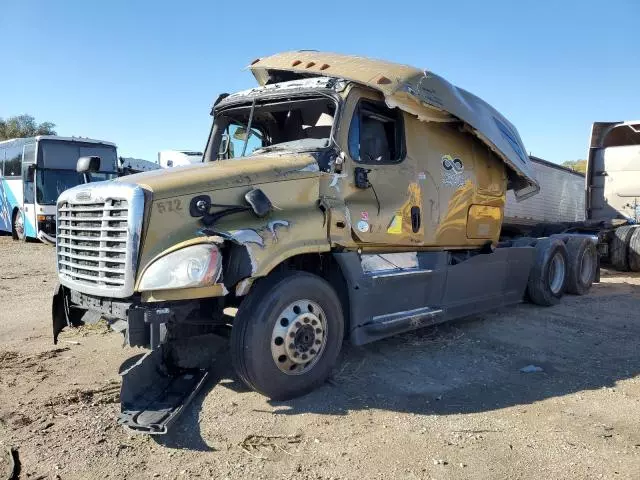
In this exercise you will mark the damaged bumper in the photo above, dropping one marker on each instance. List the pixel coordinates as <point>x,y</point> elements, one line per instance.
<point>157,388</point>
<point>142,324</point>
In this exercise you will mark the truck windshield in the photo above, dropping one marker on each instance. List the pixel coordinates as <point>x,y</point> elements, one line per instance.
<point>293,124</point>
<point>51,183</point>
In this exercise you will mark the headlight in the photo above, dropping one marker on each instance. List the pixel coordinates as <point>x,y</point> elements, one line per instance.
<point>195,266</point>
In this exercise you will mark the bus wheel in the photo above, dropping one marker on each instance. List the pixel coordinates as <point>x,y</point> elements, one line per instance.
<point>583,265</point>
<point>17,227</point>
<point>548,276</point>
<point>634,251</point>
<point>619,247</point>
<point>287,335</point>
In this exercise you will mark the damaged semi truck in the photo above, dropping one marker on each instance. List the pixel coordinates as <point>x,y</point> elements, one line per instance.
<point>342,198</point>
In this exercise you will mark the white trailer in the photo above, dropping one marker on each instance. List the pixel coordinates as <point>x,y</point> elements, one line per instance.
<point>177,158</point>
<point>561,199</point>
<point>128,165</point>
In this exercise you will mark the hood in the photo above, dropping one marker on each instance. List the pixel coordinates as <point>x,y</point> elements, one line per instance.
<point>221,174</point>
<point>418,92</point>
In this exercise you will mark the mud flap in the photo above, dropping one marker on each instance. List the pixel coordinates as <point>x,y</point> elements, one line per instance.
<point>152,397</point>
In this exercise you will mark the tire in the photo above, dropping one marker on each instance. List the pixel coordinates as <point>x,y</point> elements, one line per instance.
<point>17,232</point>
<point>634,251</point>
<point>583,265</point>
<point>619,255</point>
<point>547,282</point>
<point>272,313</point>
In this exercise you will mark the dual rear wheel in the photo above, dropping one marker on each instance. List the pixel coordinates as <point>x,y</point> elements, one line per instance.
<point>561,267</point>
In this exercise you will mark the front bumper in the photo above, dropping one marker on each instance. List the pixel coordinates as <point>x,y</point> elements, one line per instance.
<point>44,238</point>
<point>143,324</point>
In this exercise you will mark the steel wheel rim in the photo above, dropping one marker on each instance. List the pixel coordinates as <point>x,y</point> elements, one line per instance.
<point>586,267</point>
<point>557,270</point>
<point>299,337</point>
<point>19,226</point>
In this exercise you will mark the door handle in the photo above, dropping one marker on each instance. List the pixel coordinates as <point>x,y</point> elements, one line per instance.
<point>415,219</point>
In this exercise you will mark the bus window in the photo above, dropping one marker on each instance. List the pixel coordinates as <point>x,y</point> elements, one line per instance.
<point>13,161</point>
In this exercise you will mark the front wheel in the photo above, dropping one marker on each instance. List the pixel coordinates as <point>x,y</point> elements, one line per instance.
<point>17,227</point>
<point>287,335</point>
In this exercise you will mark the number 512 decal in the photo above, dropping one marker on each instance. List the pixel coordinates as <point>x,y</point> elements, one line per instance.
<point>174,205</point>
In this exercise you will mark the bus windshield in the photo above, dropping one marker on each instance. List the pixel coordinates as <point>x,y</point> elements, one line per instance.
<point>64,155</point>
<point>51,183</point>
<point>57,161</point>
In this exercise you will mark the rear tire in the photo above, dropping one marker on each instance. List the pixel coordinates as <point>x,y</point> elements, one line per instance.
<point>548,276</point>
<point>272,333</point>
<point>583,265</point>
<point>619,255</point>
<point>634,251</point>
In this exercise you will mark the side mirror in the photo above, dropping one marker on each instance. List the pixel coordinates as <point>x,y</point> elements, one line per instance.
<point>29,172</point>
<point>259,202</point>
<point>88,165</point>
<point>240,134</point>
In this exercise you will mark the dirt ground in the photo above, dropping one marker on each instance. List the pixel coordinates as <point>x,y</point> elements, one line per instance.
<point>443,403</point>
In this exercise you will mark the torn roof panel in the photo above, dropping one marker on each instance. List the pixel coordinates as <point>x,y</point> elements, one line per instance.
<point>416,91</point>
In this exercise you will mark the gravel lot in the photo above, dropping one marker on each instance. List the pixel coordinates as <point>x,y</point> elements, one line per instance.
<point>445,402</point>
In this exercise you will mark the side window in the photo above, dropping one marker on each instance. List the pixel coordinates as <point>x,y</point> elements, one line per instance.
<point>2,149</point>
<point>13,162</point>
<point>236,135</point>
<point>376,134</point>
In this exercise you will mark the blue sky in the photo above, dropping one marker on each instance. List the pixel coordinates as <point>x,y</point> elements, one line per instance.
<point>144,74</point>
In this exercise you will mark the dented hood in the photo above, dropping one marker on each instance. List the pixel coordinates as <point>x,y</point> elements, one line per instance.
<point>418,92</point>
<point>221,174</point>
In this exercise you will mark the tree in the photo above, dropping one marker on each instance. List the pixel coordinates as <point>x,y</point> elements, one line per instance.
<point>22,126</point>
<point>577,165</point>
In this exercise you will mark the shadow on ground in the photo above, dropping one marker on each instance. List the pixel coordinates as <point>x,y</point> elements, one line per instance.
<point>473,365</point>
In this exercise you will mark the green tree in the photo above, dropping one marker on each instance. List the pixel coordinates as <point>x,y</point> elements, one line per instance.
<point>577,165</point>
<point>22,126</point>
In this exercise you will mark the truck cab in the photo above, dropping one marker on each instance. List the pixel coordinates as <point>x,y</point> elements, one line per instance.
<point>341,198</point>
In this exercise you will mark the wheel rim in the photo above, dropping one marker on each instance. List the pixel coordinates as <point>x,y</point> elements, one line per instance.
<point>299,337</point>
<point>19,226</point>
<point>586,268</point>
<point>556,273</point>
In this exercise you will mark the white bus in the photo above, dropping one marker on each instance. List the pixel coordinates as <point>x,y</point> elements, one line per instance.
<point>34,171</point>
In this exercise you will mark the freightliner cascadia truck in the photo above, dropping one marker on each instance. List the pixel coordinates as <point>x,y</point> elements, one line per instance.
<point>343,198</point>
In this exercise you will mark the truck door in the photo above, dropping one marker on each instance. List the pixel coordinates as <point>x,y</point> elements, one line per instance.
<point>382,194</point>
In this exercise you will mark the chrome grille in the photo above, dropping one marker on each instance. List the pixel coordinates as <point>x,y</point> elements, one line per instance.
<point>98,231</point>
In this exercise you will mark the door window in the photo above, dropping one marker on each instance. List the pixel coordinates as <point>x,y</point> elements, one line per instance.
<point>376,134</point>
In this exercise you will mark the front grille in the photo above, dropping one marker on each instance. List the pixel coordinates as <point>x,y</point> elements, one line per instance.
<point>97,238</point>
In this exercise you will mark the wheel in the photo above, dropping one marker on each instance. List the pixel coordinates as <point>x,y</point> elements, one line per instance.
<point>619,247</point>
<point>287,335</point>
<point>17,227</point>
<point>583,265</point>
<point>548,276</point>
<point>634,251</point>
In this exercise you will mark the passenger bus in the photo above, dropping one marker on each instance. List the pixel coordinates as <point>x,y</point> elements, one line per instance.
<point>34,171</point>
